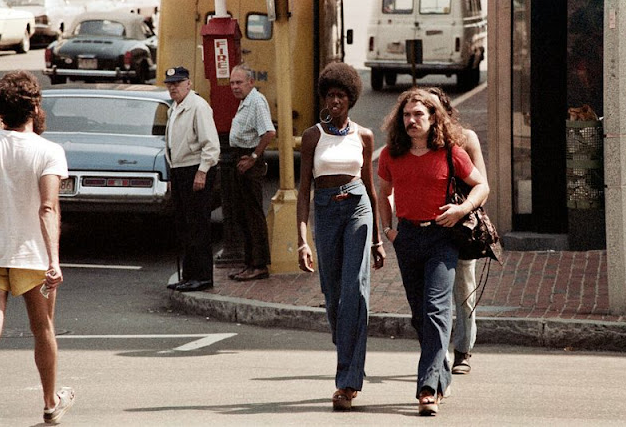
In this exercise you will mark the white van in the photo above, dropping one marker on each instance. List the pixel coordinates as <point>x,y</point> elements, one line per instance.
<point>445,37</point>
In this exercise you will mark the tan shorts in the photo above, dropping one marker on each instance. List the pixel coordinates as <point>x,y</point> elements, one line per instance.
<point>19,280</point>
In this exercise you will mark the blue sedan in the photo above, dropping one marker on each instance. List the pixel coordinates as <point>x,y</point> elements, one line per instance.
<point>114,140</point>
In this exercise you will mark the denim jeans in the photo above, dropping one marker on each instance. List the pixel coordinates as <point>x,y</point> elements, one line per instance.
<point>464,335</point>
<point>343,237</point>
<point>427,258</point>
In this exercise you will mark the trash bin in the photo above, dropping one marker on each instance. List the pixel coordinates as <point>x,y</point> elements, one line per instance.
<point>585,185</point>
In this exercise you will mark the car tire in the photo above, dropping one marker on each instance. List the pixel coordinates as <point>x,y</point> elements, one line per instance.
<point>57,80</point>
<point>391,78</point>
<point>24,45</point>
<point>377,79</point>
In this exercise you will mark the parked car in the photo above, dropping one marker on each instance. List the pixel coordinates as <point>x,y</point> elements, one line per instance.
<point>114,140</point>
<point>104,46</point>
<point>52,17</point>
<point>16,28</point>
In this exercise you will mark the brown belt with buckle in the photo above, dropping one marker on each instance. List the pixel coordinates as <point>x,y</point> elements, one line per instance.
<point>341,196</point>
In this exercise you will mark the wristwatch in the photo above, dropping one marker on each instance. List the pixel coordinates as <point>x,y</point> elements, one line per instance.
<point>254,155</point>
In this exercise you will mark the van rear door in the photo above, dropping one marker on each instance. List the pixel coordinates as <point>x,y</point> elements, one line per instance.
<point>438,27</point>
<point>392,24</point>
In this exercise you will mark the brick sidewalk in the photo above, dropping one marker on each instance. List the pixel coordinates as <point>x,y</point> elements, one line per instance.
<point>545,284</point>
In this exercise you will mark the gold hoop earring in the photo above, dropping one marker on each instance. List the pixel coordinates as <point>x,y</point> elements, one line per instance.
<point>326,119</point>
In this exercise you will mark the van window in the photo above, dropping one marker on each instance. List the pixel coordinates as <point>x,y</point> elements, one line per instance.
<point>434,7</point>
<point>398,6</point>
<point>258,27</point>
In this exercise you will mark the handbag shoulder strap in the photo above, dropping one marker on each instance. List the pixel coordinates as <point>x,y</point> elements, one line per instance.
<point>451,179</point>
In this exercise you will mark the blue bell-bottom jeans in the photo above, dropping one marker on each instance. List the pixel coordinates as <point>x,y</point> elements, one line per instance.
<point>343,238</point>
<point>427,258</point>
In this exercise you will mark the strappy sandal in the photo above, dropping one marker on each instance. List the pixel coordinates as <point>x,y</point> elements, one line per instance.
<point>428,403</point>
<point>342,399</point>
<point>233,276</point>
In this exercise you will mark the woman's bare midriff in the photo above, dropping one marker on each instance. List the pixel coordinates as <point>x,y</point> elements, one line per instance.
<point>330,181</point>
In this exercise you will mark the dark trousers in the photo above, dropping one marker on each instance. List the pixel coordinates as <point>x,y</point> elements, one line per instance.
<point>193,222</point>
<point>427,257</point>
<point>250,215</point>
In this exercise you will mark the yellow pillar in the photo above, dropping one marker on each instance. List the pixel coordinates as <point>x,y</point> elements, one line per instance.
<point>281,219</point>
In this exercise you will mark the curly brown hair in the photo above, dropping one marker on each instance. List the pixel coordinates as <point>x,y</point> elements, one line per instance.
<point>343,76</point>
<point>20,97</point>
<point>443,132</point>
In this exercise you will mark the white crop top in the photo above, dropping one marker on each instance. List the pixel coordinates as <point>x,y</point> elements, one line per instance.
<point>338,155</point>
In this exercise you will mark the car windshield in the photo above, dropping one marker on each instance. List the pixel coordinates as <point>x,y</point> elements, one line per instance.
<point>26,2</point>
<point>123,116</point>
<point>100,27</point>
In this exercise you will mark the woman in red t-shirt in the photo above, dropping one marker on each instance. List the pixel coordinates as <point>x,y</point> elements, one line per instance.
<point>413,168</point>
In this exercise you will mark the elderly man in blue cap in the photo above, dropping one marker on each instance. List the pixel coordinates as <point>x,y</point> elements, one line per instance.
<point>192,152</point>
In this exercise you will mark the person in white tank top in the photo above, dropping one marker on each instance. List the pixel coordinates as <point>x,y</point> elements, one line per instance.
<point>336,155</point>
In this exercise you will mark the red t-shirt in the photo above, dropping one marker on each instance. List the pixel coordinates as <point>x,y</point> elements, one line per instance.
<point>419,182</point>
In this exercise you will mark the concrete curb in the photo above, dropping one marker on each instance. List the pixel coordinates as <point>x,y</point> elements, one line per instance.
<point>537,332</point>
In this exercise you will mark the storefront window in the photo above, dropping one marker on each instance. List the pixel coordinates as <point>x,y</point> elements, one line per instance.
<point>522,177</point>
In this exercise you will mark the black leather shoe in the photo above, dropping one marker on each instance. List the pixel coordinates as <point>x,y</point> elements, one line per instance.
<point>173,286</point>
<point>195,285</point>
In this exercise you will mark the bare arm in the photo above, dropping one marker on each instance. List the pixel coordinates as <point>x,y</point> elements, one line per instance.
<point>307,150</point>
<point>477,196</point>
<point>472,147</point>
<point>367,175</point>
<point>246,162</point>
<point>50,222</point>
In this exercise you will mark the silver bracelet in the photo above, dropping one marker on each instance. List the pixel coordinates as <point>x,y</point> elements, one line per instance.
<point>306,245</point>
<point>375,245</point>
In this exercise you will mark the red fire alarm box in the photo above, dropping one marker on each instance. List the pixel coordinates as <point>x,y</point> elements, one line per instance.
<point>222,51</point>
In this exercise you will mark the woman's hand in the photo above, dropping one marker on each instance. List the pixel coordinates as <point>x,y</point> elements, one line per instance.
<point>305,258</point>
<point>379,256</point>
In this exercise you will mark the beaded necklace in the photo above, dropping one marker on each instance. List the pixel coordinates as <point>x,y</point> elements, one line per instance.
<point>339,132</point>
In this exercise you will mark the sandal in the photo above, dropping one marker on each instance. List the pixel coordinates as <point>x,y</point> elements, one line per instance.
<point>428,403</point>
<point>342,399</point>
<point>232,276</point>
<point>252,274</point>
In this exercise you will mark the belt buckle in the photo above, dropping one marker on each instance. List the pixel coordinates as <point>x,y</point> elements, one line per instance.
<point>426,224</point>
<point>341,196</point>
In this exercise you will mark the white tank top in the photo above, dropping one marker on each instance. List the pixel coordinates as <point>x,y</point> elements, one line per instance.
<point>338,155</point>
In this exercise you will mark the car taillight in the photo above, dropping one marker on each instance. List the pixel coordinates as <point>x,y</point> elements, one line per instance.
<point>117,182</point>
<point>128,60</point>
<point>371,44</point>
<point>48,57</point>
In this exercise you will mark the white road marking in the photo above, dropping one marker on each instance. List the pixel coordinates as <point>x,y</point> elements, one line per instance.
<point>103,266</point>
<point>137,336</point>
<point>204,341</point>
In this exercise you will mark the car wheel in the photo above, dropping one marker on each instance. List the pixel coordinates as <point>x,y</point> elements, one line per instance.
<point>377,79</point>
<point>24,45</point>
<point>391,78</point>
<point>57,80</point>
